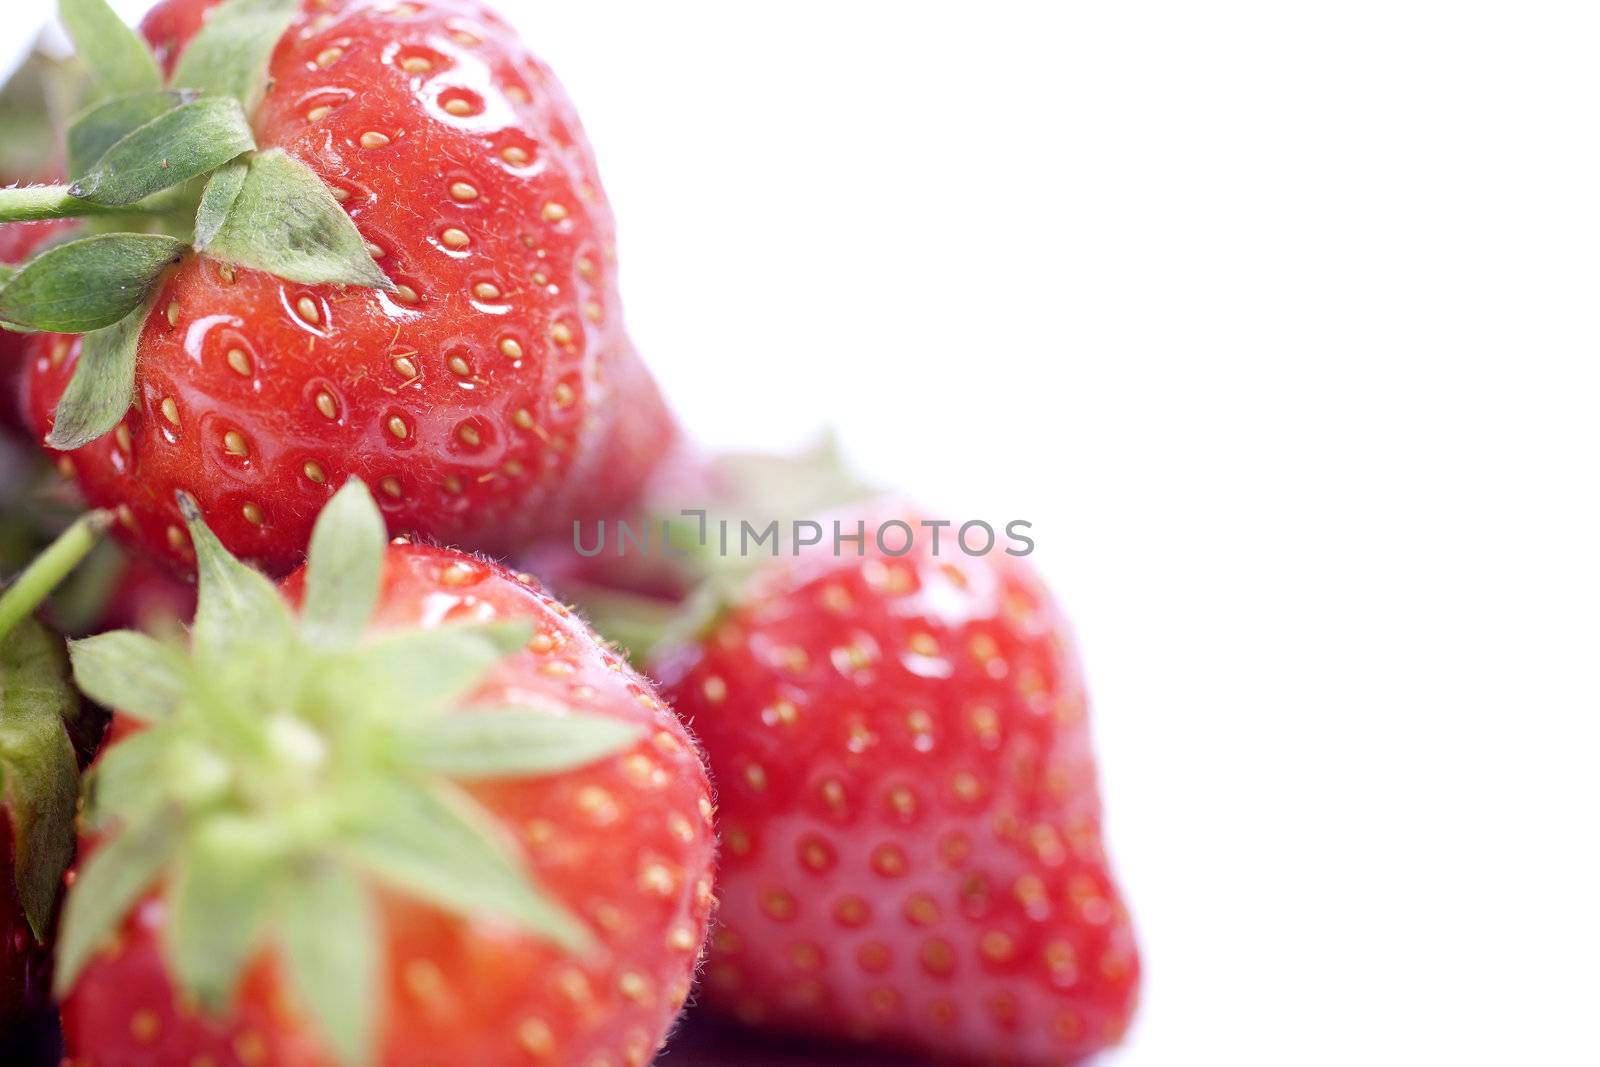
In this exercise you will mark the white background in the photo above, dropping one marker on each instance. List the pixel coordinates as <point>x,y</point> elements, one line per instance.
<point>1279,320</point>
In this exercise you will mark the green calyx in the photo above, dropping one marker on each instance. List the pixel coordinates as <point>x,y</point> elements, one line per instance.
<point>288,762</point>
<point>38,765</point>
<point>160,170</point>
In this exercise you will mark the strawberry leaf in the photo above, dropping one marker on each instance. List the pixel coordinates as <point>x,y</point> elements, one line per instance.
<point>38,768</point>
<point>239,611</point>
<point>128,783</point>
<point>332,949</point>
<point>87,284</point>
<point>229,56</point>
<point>417,672</point>
<point>102,383</point>
<point>435,844</point>
<point>217,910</point>
<point>285,222</point>
<point>506,742</point>
<point>187,141</point>
<point>127,670</point>
<point>116,58</point>
<point>343,568</point>
<point>107,887</point>
<point>103,126</point>
<point>222,189</point>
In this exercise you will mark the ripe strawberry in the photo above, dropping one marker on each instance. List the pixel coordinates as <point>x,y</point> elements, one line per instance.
<point>908,808</point>
<point>317,854</point>
<point>489,393</point>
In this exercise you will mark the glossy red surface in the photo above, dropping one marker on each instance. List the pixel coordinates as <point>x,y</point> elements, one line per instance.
<point>494,398</point>
<point>908,811</point>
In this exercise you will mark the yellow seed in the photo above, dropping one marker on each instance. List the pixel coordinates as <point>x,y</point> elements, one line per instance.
<point>307,308</point>
<point>169,410</point>
<point>486,291</point>
<point>563,394</point>
<point>681,938</point>
<point>313,471</point>
<point>553,212</point>
<point>561,333</point>
<point>460,367</point>
<point>518,94</point>
<point>515,156</point>
<point>465,192</point>
<point>317,114</point>
<point>175,537</point>
<point>416,65</point>
<point>374,139</point>
<point>462,37</point>
<point>511,348</point>
<point>328,56</point>
<point>67,468</point>
<point>397,426</point>
<point>470,436</point>
<point>239,360</point>
<point>226,272</point>
<point>405,367</point>
<point>452,484</point>
<point>715,689</point>
<point>144,1026</point>
<point>591,311</point>
<point>339,194</point>
<point>586,267</point>
<point>405,294</point>
<point>455,238</point>
<point>391,487</point>
<point>540,278</point>
<point>374,251</point>
<point>535,1037</point>
<point>632,986</point>
<point>252,514</point>
<point>523,418</point>
<point>172,313</point>
<point>325,404</point>
<point>235,443</point>
<point>457,106</point>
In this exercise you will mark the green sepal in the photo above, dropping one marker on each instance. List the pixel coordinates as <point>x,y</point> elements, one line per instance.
<point>343,568</point>
<point>229,56</point>
<point>221,190</point>
<point>217,908</point>
<point>139,676</point>
<point>333,953</point>
<point>87,284</point>
<point>38,767</point>
<point>108,885</point>
<point>182,143</point>
<point>285,221</point>
<point>435,844</point>
<point>129,781</point>
<point>413,673</point>
<point>114,55</point>
<point>238,609</point>
<point>101,389</point>
<point>101,127</point>
<point>513,742</point>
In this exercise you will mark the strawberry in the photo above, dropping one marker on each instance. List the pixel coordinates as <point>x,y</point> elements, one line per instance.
<point>441,320</point>
<point>910,822</point>
<point>402,810</point>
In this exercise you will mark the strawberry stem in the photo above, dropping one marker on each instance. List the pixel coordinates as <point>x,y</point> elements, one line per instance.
<point>35,203</point>
<point>41,577</point>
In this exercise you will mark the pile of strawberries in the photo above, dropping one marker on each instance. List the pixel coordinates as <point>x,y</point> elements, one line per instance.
<point>314,303</point>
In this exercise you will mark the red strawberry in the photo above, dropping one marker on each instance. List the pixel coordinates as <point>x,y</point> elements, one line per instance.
<point>490,394</point>
<point>318,854</point>
<point>908,808</point>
